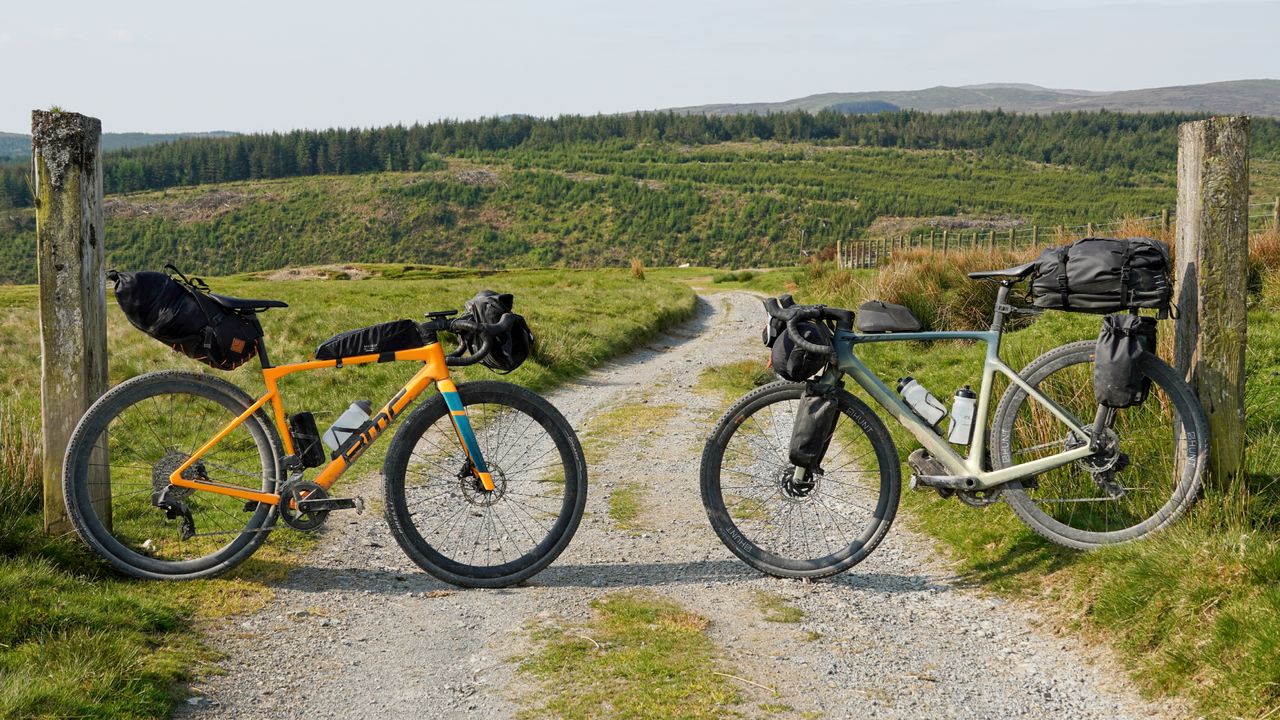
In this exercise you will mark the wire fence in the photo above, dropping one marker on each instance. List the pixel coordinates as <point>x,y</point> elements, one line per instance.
<point>872,253</point>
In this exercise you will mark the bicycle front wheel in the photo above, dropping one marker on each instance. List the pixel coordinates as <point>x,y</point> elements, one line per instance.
<point>446,521</point>
<point>821,525</point>
<point>1147,474</point>
<point>122,453</point>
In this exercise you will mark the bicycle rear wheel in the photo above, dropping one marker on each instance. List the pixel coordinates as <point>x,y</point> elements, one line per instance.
<point>453,528</point>
<point>119,459</point>
<point>821,526</point>
<point>1148,475</point>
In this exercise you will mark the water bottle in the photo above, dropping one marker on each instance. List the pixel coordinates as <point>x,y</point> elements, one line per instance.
<point>962,407</point>
<point>919,398</point>
<point>351,421</point>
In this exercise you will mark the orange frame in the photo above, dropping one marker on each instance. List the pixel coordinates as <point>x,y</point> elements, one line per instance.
<point>434,370</point>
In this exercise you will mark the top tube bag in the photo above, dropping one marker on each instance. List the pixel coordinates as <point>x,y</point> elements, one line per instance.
<point>179,312</point>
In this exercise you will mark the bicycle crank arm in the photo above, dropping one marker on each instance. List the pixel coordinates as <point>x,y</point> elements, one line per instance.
<point>946,482</point>
<point>327,504</point>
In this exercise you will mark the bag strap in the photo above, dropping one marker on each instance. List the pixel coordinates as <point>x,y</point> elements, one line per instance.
<point>1063,290</point>
<point>1126,269</point>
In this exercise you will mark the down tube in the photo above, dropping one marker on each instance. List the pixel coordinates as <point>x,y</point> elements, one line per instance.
<point>466,434</point>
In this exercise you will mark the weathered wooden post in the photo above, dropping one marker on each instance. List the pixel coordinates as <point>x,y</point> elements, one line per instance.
<point>839,256</point>
<point>1164,218</point>
<point>66,153</point>
<point>1210,279</point>
<point>1035,236</point>
<point>944,241</point>
<point>1275,215</point>
<point>1089,228</point>
<point>932,245</point>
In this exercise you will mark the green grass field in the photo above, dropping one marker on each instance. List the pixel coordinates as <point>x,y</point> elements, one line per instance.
<point>77,641</point>
<point>1193,611</point>
<point>727,205</point>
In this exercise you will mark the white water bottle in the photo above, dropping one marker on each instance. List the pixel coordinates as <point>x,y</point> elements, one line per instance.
<point>919,398</point>
<point>962,409</point>
<point>348,423</point>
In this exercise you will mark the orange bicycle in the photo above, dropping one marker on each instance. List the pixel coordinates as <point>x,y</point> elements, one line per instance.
<point>178,475</point>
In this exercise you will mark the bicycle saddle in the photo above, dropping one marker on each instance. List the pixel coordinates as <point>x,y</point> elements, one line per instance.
<point>1017,272</point>
<point>234,303</point>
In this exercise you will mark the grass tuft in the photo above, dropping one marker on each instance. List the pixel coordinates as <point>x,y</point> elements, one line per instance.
<point>626,503</point>
<point>776,608</point>
<point>640,656</point>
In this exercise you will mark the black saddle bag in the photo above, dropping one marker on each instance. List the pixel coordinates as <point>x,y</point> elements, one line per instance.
<point>814,426</point>
<point>1104,275</point>
<point>1118,381</point>
<point>386,337</point>
<point>178,312</point>
<point>509,350</point>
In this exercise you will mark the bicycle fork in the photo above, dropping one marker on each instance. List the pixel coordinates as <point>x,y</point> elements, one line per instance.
<point>466,434</point>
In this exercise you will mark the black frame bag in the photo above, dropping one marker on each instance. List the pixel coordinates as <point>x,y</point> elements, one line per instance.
<point>179,312</point>
<point>814,426</point>
<point>1104,275</point>
<point>386,337</point>
<point>509,350</point>
<point>1118,381</point>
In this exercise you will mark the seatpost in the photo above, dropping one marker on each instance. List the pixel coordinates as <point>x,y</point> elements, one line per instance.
<point>1002,307</point>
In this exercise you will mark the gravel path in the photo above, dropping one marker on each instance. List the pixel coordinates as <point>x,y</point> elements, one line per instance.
<point>360,632</point>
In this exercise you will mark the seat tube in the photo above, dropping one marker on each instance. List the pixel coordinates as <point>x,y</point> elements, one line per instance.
<point>466,434</point>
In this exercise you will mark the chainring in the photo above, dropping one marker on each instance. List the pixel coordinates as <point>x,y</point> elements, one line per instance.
<point>295,491</point>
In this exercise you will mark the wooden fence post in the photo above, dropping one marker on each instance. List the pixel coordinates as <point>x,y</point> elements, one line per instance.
<point>932,244</point>
<point>1275,215</point>
<point>839,256</point>
<point>66,152</point>
<point>1164,218</point>
<point>1210,279</point>
<point>944,241</point>
<point>1035,236</point>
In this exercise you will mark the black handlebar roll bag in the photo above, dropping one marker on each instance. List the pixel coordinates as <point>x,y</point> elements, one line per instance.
<point>814,425</point>
<point>1118,381</point>
<point>794,363</point>
<point>180,314</point>
<point>508,350</point>
<point>381,338</point>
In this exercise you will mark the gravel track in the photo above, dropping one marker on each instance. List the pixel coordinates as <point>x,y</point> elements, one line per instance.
<point>360,632</point>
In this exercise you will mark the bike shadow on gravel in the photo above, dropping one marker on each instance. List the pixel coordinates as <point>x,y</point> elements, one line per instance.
<point>623,575</point>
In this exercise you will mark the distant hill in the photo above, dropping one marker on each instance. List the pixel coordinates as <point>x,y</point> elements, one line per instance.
<point>16,146</point>
<point>1236,97</point>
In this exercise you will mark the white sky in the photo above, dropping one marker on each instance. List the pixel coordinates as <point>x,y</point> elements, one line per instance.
<point>249,66</point>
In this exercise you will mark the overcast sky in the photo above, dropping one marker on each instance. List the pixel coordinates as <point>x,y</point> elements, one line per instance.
<point>249,66</point>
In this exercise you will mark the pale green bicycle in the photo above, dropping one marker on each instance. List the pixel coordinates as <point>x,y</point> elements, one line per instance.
<point>1078,473</point>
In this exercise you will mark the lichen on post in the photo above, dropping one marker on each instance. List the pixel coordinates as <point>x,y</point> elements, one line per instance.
<point>66,152</point>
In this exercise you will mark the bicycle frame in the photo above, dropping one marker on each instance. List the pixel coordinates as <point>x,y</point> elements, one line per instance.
<point>434,370</point>
<point>938,447</point>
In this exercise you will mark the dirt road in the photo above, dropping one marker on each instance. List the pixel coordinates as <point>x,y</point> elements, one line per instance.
<point>360,632</point>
